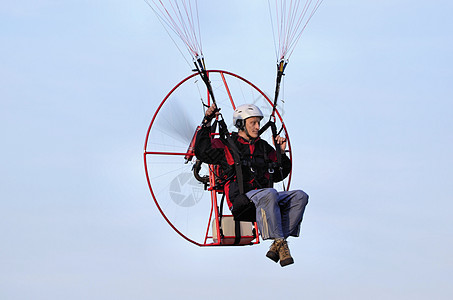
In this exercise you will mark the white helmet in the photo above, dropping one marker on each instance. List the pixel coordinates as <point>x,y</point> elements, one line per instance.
<point>243,112</point>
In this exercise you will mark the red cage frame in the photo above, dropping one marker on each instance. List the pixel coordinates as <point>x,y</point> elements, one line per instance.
<point>214,213</point>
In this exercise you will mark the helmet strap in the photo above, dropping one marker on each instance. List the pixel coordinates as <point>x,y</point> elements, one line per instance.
<point>251,139</point>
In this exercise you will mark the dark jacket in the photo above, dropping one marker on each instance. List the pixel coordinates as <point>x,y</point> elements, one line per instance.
<point>257,159</point>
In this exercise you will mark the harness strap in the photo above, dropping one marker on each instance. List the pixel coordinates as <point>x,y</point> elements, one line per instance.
<point>278,150</point>
<point>237,232</point>
<point>221,216</point>
<point>235,152</point>
<point>270,168</point>
<point>214,126</point>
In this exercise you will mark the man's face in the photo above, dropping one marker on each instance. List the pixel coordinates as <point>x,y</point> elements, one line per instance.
<point>252,125</point>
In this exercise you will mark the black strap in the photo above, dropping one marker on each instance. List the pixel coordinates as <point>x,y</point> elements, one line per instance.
<point>214,126</point>
<point>278,150</point>
<point>225,135</point>
<point>237,232</point>
<point>221,216</point>
<point>270,168</point>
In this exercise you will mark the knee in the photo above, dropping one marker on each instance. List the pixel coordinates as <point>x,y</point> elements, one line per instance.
<point>302,196</point>
<point>270,196</point>
<point>273,193</point>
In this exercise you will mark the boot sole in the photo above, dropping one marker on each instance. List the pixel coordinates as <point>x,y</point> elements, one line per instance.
<point>286,262</point>
<point>273,256</point>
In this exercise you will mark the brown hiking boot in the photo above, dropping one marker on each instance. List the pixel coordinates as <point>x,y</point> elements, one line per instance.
<point>285,256</point>
<point>273,250</point>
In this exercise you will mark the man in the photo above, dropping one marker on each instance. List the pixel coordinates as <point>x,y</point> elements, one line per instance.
<point>278,214</point>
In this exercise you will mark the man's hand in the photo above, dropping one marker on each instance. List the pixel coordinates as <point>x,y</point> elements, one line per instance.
<point>280,141</point>
<point>211,112</point>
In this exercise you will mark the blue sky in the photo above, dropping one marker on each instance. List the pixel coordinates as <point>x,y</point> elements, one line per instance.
<point>369,100</point>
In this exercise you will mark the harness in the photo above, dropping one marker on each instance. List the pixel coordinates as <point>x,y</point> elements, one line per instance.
<point>243,208</point>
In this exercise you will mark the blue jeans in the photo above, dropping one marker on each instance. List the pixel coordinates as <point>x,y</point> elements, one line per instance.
<point>278,214</point>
